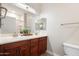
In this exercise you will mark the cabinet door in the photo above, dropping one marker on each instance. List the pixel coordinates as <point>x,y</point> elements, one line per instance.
<point>34,47</point>
<point>25,51</point>
<point>1,51</point>
<point>25,48</point>
<point>42,45</point>
<point>11,52</point>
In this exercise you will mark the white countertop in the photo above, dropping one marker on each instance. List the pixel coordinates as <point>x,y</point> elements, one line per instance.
<point>4,40</point>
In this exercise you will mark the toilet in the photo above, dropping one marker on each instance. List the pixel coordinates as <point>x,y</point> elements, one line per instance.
<point>71,47</point>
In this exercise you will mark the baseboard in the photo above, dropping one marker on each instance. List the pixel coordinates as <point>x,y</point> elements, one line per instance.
<point>52,54</point>
<point>56,54</point>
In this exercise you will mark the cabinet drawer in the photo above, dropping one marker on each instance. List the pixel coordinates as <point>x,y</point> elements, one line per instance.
<point>25,51</point>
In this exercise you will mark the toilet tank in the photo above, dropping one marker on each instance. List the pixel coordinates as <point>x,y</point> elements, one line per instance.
<point>71,48</point>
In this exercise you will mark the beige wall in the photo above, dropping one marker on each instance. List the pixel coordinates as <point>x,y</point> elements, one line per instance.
<point>8,25</point>
<point>36,6</point>
<point>57,14</point>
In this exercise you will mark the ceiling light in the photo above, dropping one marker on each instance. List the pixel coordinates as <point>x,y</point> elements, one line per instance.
<point>25,7</point>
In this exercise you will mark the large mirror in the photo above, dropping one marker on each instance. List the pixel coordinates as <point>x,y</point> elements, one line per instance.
<point>17,18</point>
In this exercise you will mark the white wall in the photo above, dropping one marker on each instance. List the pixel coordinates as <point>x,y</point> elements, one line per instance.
<point>35,6</point>
<point>57,14</point>
<point>8,25</point>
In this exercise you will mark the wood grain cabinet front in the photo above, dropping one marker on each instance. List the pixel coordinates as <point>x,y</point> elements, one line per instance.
<point>25,49</point>
<point>11,52</point>
<point>32,47</point>
<point>1,51</point>
<point>8,50</point>
<point>42,45</point>
<point>21,48</point>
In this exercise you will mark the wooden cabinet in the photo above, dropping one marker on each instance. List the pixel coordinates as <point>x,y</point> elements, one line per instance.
<point>20,48</point>
<point>25,49</point>
<point>32,47</point>
<point>11,52</point>
<point>42,45</point>
<point>1,51</point>
<point>8,50</point>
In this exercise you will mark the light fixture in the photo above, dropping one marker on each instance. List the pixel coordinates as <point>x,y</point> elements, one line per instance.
<point>25,7</point>
<point>3,12</point>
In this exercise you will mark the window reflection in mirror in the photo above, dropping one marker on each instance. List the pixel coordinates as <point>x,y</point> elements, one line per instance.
<point>14,20</point>
<point>40,24</point>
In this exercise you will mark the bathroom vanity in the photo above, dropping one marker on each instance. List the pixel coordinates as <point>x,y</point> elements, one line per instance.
<point>24,46</point>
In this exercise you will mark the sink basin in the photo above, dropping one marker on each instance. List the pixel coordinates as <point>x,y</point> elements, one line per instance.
<point>23,37</point>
